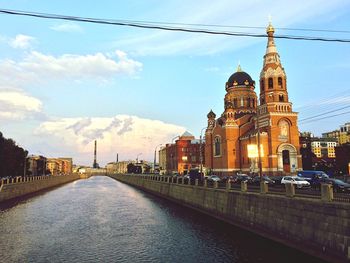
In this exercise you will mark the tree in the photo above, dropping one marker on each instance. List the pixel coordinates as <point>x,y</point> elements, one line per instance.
<point>12,158</point>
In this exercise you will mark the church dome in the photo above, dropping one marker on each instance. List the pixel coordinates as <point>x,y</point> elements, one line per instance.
<point>240,78</point>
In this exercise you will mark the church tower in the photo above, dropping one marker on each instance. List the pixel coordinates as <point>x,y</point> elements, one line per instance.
<point>275,114</point>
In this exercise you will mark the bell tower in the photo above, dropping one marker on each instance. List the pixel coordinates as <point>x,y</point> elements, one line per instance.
<point>275,114</point>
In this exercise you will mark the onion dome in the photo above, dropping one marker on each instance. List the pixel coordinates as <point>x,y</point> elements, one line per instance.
<point>211,115</point>
<point>239,79</point>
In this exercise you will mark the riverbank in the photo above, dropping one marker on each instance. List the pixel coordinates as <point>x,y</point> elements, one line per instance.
<point>20,187</point>
<point>319,228</point>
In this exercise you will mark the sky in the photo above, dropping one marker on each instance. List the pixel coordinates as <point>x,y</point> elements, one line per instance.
<point>64,84</point>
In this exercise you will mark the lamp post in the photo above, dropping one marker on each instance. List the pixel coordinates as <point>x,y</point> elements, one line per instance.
<point>174,156</point>
<point>258,128</point>
<point>137,157</point>
<point>200,150</point>
<point>155,157</point>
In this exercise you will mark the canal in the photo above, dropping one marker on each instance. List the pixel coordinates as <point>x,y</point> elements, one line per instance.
<point>103,220</point>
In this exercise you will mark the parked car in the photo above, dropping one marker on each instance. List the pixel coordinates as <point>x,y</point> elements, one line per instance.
<point>257,179</point>
<point>213,178</point>
<point>338,185</point>
<point>277,179</point>
<point>297,181</point>
<point>243,177</point>
<point>313,177</point>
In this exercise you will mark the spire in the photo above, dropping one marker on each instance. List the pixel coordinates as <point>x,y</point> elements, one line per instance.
<point>270,30</point>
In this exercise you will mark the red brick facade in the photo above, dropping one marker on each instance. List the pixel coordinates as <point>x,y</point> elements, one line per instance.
<point>184,154</point>
<point>228,137</point>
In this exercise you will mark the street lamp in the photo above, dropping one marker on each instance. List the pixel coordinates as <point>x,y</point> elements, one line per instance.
<point>200,150</point>
<point>155,156</point>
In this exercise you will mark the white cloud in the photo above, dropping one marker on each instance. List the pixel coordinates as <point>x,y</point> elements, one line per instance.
<point>67,27</point>
<point>37,66</point>
<point>21,41</point>
<point>123,134</point>
<point>17,105</point>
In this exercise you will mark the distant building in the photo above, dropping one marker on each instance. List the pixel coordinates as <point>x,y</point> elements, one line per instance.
<point>182,155</point>
<point>323,147</point>
<point>36,165</point>
<point>59,166</point>
<point>305,150</point>
<point>342,135</point>
<point>343,158</point>
<point>118,167</point>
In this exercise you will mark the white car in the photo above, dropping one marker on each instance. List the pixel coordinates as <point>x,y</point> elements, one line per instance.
<point>297,181</point>
<point>214,178</point>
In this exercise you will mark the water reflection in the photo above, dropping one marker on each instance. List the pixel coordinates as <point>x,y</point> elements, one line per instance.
<point>102,220</point>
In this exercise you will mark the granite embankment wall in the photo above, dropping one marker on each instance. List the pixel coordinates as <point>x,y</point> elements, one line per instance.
<point>19,187</point>
<point>316,227</point>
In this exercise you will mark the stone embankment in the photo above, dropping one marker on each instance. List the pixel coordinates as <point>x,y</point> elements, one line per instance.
<point>316,226</point>
<point>19,187</point>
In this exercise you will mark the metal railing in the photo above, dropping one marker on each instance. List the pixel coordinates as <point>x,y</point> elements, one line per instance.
<point>280,190</point>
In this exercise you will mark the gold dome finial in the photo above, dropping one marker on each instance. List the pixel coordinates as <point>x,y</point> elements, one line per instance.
<point>239,69</point>
<point>270,29</point>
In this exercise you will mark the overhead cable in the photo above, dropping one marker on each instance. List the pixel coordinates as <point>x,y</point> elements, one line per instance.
<point>166,28</point>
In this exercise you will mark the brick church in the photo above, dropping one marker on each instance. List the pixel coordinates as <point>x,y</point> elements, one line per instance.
<point>233,139</point>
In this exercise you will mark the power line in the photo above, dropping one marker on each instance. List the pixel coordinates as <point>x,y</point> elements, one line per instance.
<point>325,113</point>
<point>166,28</point>
<point>330,116</point>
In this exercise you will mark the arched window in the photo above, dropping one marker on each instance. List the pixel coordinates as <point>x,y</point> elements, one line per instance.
<point>270,83</point>
<point>253,103</point>
<point>217,146</point>
<point>248,102</point>
<point>235,103</point>
<point>281,98</point>
<point>262,101</point>
<point>262,85</point>
<point>242,102</point>
<point>280,83</point>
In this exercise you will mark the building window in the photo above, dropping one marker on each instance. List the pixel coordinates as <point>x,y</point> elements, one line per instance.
<point>270,83</point>
<point>262,85</point>
<point>242,102</point>
<point>217,146</point>
<point>280,83</point>
<point>262,101</point>
<point>193,159</point>
<point>184,158</point>
<point>281,98</point>
<point>248,102</point>
<point>235,103</point>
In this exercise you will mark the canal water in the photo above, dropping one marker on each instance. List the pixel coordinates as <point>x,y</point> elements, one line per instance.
<point>102,220</point>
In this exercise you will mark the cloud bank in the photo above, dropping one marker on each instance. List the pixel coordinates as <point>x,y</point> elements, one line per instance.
<point>17,105</point>
<point>39,67</point>
<point>123,134</point>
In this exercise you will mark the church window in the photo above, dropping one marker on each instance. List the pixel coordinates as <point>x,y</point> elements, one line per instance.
<point>253,103</point>
<point>217,146</point>
<point>248,102</point>
<point>242,102</point>
<point>270,83</point>
<point>234,102</point>
<point>280,83</point>
<point>281,98</point>
<point>262,101</point>
<point>262,85</point>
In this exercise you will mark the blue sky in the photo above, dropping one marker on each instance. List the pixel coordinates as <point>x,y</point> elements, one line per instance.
<point>64,84</point>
